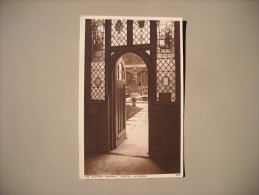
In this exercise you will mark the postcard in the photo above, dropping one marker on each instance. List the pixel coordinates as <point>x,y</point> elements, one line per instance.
<point>130,97</point>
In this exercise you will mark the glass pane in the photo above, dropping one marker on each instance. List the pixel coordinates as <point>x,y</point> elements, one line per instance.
<point>98,81</point>
<point>165,36</point>
<point>119,32</point>
<point>98,40</point>
<point>165,63</point>
<point>141,32</point>
<point>165,81</point>
<point>98,64</point>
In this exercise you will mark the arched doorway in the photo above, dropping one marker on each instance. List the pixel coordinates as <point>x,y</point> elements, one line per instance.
<point>124,91</point>
<point>129,117</point>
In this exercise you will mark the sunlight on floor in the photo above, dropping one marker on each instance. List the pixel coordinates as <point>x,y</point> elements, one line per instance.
<point>136,143</point>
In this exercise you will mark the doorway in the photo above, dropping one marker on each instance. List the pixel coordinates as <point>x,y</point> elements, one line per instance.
<point>130,106</point>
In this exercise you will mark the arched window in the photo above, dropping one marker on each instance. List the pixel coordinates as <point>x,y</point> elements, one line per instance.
<point>120,71</point>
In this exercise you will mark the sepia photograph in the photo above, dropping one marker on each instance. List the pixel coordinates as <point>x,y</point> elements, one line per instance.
<point>131,97</point>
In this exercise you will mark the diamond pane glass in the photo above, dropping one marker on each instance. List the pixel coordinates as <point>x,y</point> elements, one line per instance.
<point>141,32</point>
<point>97,81</point>
<point>119,32</point>
<point>165,63</point>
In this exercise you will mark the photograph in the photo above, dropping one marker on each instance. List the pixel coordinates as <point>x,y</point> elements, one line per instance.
<point>131,97</point>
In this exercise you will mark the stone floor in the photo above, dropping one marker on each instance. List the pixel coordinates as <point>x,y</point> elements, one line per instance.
<point>136,143</point>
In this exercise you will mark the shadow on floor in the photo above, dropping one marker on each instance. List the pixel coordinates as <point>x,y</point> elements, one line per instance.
<point>113,164</point>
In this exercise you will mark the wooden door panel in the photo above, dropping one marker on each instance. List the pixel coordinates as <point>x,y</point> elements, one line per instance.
<point>120,103</point>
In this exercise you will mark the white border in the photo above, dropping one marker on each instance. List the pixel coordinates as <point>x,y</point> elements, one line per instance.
<point>81,99</point>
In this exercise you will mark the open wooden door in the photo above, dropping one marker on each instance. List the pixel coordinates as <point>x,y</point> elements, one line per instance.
<point>119,104</point>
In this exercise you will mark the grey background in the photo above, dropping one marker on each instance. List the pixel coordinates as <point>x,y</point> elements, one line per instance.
<point>39,56</point>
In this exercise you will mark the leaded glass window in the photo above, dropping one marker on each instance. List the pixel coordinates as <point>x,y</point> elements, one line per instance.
<point>165,63</point>
<point>166,78</point>
<point>119,32</point>
<point>141,32</point>
<point>165,38</point>
<point>97,81</point>
<point>98,40</point>
<point>97,60</point>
